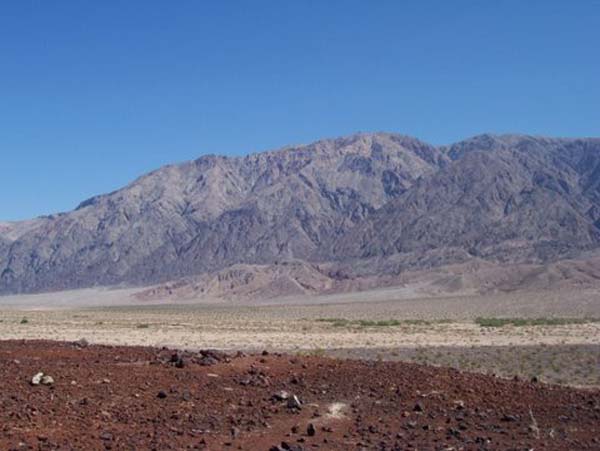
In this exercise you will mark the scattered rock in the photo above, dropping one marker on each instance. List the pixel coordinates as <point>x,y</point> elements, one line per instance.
<point>106,436</point>
<point>460,404</point>
<point>37,379</point>
<point>255,380</point>
<point>81,343</point>
<point>294,403</point>
<point>290,447</point>
<point>510,418</point>
<point>281,395</point>
<point>452,432</point>
<point>41,378</point>
<point>310,430</point>
<point>208,361</point>
<point>209,357</point>
<point>177,360</point>
<point>161,394</point>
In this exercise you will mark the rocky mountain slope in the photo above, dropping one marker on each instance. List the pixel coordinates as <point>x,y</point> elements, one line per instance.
<point>507,198</point>
<point>364,205</point>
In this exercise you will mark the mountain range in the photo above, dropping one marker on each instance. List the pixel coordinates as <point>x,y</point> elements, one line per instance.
<point>343,214</point>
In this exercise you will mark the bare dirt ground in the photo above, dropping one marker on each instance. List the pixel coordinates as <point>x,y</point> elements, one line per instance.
<point>147,398</point>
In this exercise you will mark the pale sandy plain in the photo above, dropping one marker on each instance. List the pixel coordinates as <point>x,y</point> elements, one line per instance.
<point>448,333</point>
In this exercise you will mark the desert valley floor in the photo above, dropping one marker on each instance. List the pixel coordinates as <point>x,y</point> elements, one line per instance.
<point>370,371</point>
<point>501,334</point>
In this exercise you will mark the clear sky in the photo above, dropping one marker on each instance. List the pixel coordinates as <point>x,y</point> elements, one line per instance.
<point>95,93</point>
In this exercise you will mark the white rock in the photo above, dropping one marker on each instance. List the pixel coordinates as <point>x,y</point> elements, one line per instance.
<point>281,395</point>
<point>35,380</point>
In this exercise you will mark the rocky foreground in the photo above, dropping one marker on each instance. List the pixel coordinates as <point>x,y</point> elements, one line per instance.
<point>77,396</point>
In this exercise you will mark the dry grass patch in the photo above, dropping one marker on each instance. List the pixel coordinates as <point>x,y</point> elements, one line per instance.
<point>522,322</point>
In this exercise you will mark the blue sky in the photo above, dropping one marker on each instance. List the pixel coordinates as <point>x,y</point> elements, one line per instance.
<point>93,94</point>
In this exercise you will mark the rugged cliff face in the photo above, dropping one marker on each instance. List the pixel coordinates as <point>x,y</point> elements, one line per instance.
<point>367,197</point>
<point>509,199</point>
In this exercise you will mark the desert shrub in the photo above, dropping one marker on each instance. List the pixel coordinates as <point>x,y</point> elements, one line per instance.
<point>341,322</point>
<point>520,322</point>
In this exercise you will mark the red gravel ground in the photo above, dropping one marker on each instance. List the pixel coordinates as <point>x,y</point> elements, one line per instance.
<point>136,398</point>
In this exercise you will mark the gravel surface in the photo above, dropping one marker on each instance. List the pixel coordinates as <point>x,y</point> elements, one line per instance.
<point>109,397</point>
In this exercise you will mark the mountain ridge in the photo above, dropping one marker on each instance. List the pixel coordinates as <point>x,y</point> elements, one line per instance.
<point>368,195</point>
